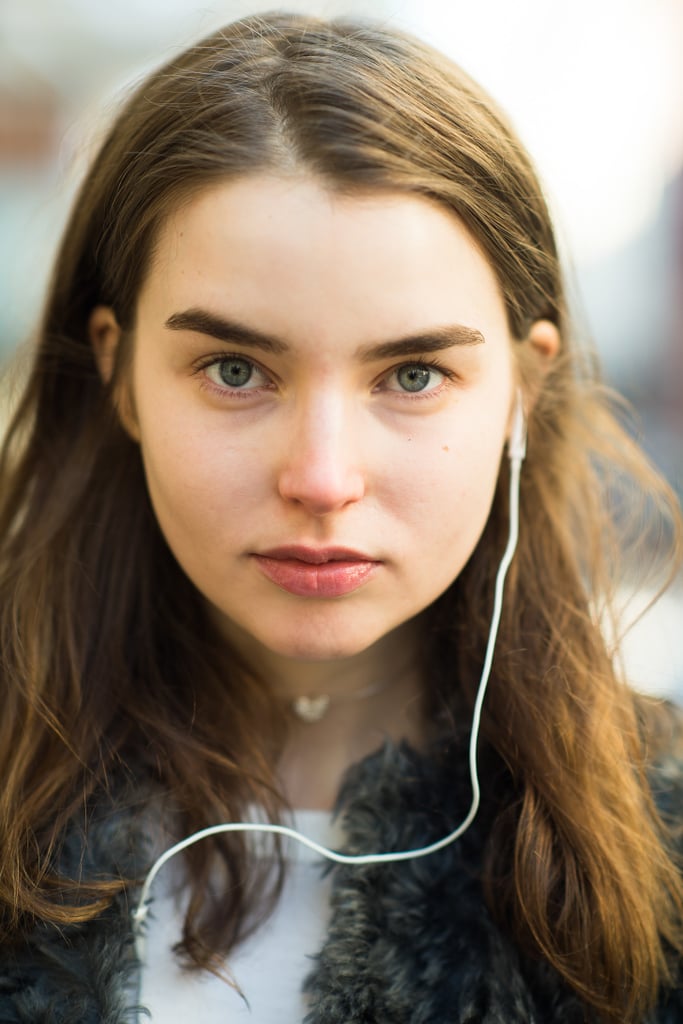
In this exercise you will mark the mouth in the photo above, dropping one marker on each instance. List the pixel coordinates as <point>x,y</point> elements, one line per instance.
<point>316,572</point>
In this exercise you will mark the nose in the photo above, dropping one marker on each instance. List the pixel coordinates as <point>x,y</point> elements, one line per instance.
<point>321,468</point>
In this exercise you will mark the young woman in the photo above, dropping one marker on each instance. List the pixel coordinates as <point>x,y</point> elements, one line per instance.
<point>258,499</point>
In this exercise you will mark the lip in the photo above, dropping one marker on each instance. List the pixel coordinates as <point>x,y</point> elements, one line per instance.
<point>316,572</point>
<point>315,556</point>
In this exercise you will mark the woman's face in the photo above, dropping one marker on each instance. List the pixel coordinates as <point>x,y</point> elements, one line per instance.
<point>321,389</point>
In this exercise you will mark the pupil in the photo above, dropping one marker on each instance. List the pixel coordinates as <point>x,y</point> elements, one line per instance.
<point>414,378</point>
<point>235,372</point>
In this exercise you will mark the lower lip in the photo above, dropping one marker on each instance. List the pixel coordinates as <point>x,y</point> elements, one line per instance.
<point>329,579</point>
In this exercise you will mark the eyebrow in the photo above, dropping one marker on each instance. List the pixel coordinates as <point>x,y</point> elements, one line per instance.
<point>434,339</point>
<point>201,321</point>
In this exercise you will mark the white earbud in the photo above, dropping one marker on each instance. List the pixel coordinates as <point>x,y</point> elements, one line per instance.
<point>517,439</point>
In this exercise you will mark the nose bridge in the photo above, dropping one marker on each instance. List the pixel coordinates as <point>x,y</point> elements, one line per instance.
<point>321,467</point>
<point>324,421</point>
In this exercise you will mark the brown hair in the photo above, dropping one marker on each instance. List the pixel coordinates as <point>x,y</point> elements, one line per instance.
<point>99,627</point>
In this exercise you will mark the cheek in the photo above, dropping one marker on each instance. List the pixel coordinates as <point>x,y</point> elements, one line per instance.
<point>200,484</point>
<point>444,498</point>
<point>445,475</point>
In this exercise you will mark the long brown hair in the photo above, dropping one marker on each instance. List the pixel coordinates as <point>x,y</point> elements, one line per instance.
<point>108,658</point>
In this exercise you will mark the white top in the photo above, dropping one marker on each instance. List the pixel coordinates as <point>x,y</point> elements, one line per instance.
<point>269,966</point>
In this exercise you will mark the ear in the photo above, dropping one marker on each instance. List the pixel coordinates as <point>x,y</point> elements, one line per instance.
<point>535,356</point>
<point>105,336</point>
<point>544,340</point>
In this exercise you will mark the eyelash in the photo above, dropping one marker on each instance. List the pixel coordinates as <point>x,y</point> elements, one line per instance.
<point>231,394</point>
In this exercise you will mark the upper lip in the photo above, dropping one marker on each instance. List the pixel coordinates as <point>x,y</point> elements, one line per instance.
<point>315,556</point>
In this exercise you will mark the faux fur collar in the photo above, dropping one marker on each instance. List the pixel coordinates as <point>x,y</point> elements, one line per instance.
<point>413,942</point>
<point>409,943</point>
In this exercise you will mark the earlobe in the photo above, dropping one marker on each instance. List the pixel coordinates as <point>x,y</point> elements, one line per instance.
<point>105,335</point>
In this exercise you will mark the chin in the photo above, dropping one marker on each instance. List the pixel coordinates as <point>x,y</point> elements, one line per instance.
<point>312,640</point>
<point>305,637</point>
<point>316,648</point>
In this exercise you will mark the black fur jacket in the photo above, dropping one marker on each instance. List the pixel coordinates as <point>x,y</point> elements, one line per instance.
<point>409,943</point>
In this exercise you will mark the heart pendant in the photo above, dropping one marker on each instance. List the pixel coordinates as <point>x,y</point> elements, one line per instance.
<point>310,709</point>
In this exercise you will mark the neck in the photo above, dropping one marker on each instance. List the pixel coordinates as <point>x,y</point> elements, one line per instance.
<point>371,697</point>
<point>318,754</point>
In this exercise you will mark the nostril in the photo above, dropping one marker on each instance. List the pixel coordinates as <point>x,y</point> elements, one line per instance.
<point>320,487</point>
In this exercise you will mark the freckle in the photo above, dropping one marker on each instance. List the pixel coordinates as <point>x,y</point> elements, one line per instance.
<point>445,448</point>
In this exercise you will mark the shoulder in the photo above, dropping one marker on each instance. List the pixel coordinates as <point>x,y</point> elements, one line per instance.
<point>663,733</point>
<point>663,738</point>
<point>85,970</point>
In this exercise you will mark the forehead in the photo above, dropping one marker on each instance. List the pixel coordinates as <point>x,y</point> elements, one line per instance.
<point>297,258</point>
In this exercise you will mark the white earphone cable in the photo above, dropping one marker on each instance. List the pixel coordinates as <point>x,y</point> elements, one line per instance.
<point>516,454</point>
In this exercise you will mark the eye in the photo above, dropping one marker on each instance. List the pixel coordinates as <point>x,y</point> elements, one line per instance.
<point>414,377</point>
<point>235,373</point>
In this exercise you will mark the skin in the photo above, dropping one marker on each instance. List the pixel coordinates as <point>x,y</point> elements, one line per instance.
<point>323,445</point>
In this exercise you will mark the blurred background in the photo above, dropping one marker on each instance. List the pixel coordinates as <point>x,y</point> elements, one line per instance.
<point>595,89</point>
